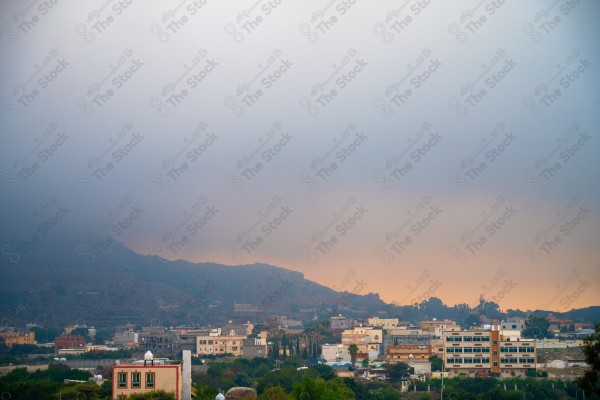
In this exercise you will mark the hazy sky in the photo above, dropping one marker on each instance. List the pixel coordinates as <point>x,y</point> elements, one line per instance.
<point>411,149</point>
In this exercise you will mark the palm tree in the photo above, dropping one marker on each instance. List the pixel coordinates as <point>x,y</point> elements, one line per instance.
<point>353,349</point>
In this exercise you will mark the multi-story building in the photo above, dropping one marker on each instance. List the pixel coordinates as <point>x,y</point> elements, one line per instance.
<point>513,323</point>
<point>437,326</point>
<point>386,323</point>
<point>215,343</point>
<point>487,351</point>
<point>11,338</point>
<point>368,340</point>
<point>69,342</point>
<point>255,347</point>
<point>126,338</point>
<point>341,322</point>
<point>408,353</point>
<point>166,342</point>
<point>405,336</point>
<point>149,375</point>
<point>335,353</point>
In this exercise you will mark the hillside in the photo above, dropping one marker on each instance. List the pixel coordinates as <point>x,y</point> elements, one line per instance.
<point>56,286</point>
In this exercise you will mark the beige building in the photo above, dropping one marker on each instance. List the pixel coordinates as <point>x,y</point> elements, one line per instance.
<point>487,351</point>
<point>368,340</point>
<point>437,326</point>
<point>385,323</point>
<point>146,376</point>
<point>216,343</point>
<point>11,338</point>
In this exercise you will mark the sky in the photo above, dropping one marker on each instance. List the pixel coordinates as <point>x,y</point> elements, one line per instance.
<point>407,148</point>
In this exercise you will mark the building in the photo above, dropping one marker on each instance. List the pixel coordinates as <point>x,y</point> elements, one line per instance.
<point>245,308</point>
<point>437,326</point>
<point>69,342</point>
<point>126,339</point>
<point>255,347</point>
<point>386,323</point>
<point>341,322</point>
<point>405,336</point>
<point>368,340</point>
<point>149,375</point>
<point>215,343</point>
<point>11,338</point>
<point>165,342</point>
<point>513,323</point>
<point>487,351</point>
<point>335,353</point>
<point>408,353</point>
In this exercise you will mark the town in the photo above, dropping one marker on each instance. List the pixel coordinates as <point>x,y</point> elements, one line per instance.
<point>383,357</point>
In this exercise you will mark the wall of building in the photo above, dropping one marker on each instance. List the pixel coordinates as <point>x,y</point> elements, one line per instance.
<point>166,377</point>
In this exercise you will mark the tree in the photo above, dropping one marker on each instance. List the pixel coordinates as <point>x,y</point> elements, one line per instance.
<point>365,363</point>
<point>436,363</point>
<point>353,350</point>
<point>590,381</point>
<point>397,371</point>
<point>154,395</point>
<point>274,393</point>
<point>536,327</point>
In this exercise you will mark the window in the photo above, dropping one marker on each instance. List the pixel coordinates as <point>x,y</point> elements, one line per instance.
<point>477,338</point>
<point>450,350</point>
<point>468,349</point>
<point>136,378</point>
<point>495,353</point>
<point>495,363</point>
<point>122,380</point>
<point>495,342</point>
<point>467,338</point>
<point>149,379</point>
